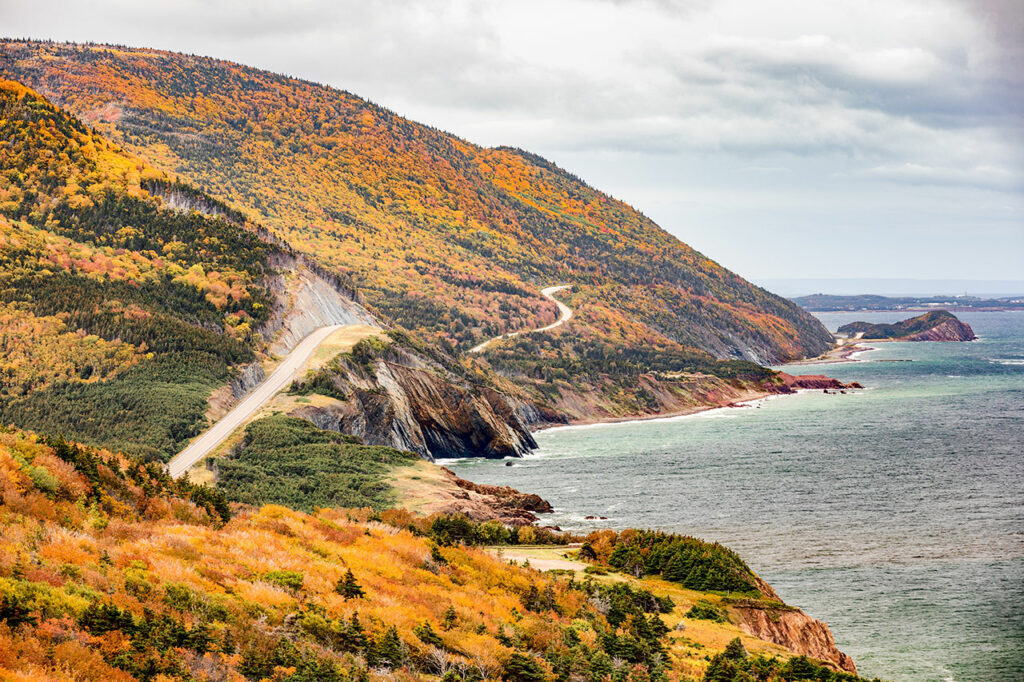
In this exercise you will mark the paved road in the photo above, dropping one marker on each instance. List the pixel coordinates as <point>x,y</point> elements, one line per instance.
<point>562,319</point>
<point>257,398</point>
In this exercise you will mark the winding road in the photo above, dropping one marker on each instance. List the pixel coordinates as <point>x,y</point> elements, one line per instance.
<point>289,369</point>
<point>566,313</point>
<point>257,398</point>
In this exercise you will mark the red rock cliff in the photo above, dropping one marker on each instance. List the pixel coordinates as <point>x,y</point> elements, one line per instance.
<point>795,630</point>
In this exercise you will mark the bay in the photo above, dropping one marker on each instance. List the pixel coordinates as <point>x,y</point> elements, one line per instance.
<point>895,514</point>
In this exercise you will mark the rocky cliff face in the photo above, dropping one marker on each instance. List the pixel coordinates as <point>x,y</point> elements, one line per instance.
<point>407,402</point>
<point>445,493</point>
<point>306,300</point>
<point>936,325</point>
<point>795,630</point>
<point>410,403</point>
<point>814,382</point>
<point>950,330</point>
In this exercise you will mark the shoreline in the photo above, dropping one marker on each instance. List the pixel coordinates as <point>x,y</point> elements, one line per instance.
<point>748,401</point>
<point>844,353</point>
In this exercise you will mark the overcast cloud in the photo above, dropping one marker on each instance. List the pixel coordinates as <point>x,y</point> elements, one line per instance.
<point>851,139</point>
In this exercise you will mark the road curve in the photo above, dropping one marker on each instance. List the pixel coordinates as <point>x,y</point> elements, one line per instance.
<point>566,313</point>
<point>279,379</point>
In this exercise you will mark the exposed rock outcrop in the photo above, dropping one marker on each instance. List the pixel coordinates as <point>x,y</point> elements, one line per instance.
<point>407,402</point>
<point>507,496</point>
<point>249,377</point>
<point>427,489</point>
<point>306,299</point>
<point>814,381</point>
<point>950,330</point>
<point>795,630</point>
<point>935,325</point>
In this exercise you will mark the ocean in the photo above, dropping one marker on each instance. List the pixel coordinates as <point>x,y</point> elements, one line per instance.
<point>895,514</point>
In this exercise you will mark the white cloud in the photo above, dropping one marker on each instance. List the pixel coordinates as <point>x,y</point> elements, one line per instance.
<point>867,101</point>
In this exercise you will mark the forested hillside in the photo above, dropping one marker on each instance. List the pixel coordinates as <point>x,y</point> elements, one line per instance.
<point>442,236</point>
<point>118,316</point>
<point>110,570</point>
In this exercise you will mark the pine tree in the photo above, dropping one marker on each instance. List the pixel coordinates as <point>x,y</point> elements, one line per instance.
<point>390,650</point>
<point>735,650</point>
<point>522,668</point>
<point>348,587</point>
<point>427,635</point>
<point>450,617</point>
<point>353,637</point>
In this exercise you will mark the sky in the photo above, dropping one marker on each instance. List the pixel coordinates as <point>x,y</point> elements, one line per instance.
<point>802,138</point>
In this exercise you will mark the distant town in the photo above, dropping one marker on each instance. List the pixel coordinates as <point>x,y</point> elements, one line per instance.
<point>964,302</point>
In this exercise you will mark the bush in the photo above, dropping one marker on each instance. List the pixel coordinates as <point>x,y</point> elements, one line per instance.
<point>288,579</point>
<point>289,461</point>
<point>705,610</point>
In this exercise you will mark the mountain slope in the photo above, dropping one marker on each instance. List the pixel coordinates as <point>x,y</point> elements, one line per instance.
<point>129,301</point>
<point>441,235</point>
<point>135,313</point>
<point>112,571</point>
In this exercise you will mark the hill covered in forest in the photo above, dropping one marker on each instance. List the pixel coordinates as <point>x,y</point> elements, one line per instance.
<point>133,306</point>
<point>442,236</point>
<point>110,570</point>
<point>118,317</point>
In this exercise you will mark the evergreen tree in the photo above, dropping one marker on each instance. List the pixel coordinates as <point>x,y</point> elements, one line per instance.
<point>735,650</point>
<point>390,650</point>
<point>348,587</point>
<point>427,635</point>
<point>522,668</point>
<point>450,617</point>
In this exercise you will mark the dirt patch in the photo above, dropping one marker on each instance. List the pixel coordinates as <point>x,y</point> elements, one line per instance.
<point>426,488</point>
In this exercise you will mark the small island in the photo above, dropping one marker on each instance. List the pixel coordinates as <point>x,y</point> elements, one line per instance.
<point>936,325</point>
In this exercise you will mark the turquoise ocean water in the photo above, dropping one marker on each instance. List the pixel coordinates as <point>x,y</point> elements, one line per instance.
<point>895,514</point>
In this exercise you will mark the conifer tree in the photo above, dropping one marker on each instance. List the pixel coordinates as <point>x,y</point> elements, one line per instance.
<point>448,622</point>
<point>348,587</point>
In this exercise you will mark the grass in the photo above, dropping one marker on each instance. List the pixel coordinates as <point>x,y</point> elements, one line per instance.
<point>341,341</point>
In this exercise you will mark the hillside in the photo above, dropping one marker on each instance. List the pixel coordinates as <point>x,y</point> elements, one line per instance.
<point>445,238</point>
<point>937,325</point>
<point>116,313</point>
<point>109,570</point>
<point>133,307</point>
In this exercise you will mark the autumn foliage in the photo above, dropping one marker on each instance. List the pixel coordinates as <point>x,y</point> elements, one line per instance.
<point>444,237</point>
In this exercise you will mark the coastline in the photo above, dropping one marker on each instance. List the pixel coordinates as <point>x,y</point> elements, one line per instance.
<point>844,353</point>
<point>749,400</point>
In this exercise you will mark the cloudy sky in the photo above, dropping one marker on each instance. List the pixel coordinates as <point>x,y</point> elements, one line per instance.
<point>865,138</point>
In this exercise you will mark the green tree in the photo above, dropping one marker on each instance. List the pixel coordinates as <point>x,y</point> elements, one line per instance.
<point>348,587</point>
<point>449,619</point>
<point>522,668</point>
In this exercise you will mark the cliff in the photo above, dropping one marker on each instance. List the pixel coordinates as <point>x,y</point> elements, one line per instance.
<point>936,325</point>
<point>427,489</point>
<point>814,382</point>
<point>795,630</point>
<point>388,393</point>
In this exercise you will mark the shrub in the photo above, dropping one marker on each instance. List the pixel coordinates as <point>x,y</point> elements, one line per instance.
<point>705,610</point>
<point>291,580</point>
